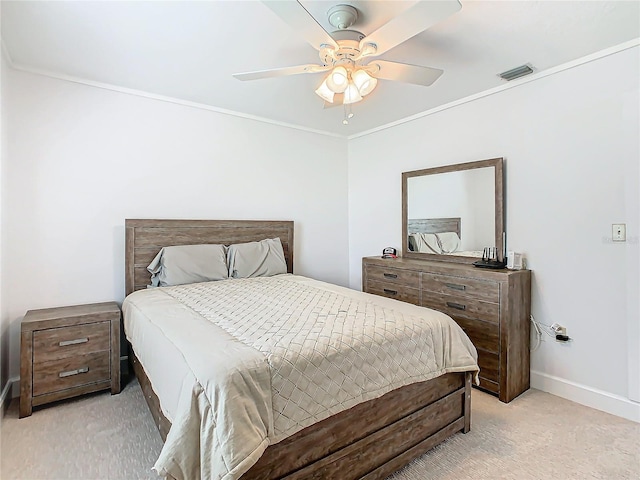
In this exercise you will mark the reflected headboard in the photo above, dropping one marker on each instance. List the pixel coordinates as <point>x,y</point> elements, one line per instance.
<point>433,225</point>
<point>145,238</point>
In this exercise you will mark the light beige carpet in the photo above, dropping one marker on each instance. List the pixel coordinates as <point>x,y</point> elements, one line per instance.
<point>537,436</point>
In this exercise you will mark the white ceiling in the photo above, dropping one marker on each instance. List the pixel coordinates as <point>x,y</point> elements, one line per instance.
<point>188,50</point>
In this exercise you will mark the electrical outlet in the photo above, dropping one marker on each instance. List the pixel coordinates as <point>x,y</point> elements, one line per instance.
<point>619,232</point>
<point>559,329</point>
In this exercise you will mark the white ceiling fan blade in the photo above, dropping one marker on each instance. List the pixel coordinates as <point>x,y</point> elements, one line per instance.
<point>297,17</point>
<point>281,72</point>
<point>403,72</point>
<point>409,23</point>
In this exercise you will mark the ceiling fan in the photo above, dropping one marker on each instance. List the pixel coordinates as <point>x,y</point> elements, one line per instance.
<point>348,55</point>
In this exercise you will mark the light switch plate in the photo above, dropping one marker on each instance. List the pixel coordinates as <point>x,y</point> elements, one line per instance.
<point>619,233</point>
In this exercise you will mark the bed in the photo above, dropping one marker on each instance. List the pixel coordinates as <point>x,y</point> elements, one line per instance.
<point>370,439</point>
<point>439,236</point>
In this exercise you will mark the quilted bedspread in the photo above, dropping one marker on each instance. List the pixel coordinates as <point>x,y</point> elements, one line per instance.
<point>271,356</point>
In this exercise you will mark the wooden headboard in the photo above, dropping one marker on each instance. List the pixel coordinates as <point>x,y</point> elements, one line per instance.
<point>433,225</point>
<point>145,238</point>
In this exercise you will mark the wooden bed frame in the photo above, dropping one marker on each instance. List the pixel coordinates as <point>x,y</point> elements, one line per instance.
<point>433,225</point>
<point>372,439</point>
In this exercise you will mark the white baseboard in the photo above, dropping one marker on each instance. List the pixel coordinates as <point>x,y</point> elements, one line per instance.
<point>591,397</point>
<point>10,390</point>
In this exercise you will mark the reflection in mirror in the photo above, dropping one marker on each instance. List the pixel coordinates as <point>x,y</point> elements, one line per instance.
<point>453,212</point>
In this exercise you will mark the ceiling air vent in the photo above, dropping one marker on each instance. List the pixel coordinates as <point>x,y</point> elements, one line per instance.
<point>517,72</point>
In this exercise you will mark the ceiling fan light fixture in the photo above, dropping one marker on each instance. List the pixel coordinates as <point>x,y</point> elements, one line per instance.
<point>364,82</point>
<point>351,94</point>
<point>338,79</point>
<point>324,92</point>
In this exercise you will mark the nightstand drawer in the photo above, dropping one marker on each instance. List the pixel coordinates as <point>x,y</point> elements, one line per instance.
<point>63,342</point>
<point>462,306</point>
<point>462,287</point>
<point>70,372</point>
<point>393,275</point>
<point>396,291</point>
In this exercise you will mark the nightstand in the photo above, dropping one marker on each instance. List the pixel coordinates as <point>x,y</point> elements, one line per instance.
<point>68,351</point>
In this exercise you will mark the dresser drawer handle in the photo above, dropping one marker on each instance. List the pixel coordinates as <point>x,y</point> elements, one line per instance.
<point>390,275</point>
<point>390,292</point>
<point>73,342</point>
<point>73,372</point>
<point>455,287</point>
<point>457,306</point>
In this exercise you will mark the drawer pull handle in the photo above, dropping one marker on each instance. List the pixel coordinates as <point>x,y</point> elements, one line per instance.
<point>390,292</point>
<point>457,306</point>
<point>73,372</point>
<point>73,342</point>
<point>455,287</point>
<point>390,275</point>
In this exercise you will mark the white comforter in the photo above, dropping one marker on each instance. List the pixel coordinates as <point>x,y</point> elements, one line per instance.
<point>268,357</point>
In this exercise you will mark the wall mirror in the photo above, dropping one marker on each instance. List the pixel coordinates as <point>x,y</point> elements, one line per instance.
<point>453,212</point>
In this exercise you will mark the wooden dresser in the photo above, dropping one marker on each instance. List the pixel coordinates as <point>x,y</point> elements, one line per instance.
<point>492,306</point>
<point>68,351</point>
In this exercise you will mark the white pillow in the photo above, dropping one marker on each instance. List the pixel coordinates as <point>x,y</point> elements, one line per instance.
<point>427,243</point>
<point>256,259</point>
<point>182,264</point>
<point>449,241</point>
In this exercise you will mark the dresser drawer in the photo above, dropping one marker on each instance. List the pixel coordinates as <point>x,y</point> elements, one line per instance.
<point>493,387</point>
<point>461,287</point>
<point>489,364</point>
<point>70,372</point>
<point>462,306</point>
<point>483,335</point>
<point>63,342</point>
<point>396,291</point>
<point>379,274</point>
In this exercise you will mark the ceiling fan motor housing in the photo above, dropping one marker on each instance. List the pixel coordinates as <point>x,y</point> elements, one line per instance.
<point>342,16</point>
<point>348,47</point>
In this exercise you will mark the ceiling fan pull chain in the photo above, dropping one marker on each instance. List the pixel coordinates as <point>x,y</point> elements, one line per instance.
<point>348,114</point>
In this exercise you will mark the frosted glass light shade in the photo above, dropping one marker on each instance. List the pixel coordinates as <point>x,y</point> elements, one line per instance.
<point>351,94</point>
<point>324,92</point>
<point>364,82</point>
<point>338,80</point>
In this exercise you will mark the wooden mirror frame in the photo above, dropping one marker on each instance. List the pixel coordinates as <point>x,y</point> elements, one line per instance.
<point>500,233</point>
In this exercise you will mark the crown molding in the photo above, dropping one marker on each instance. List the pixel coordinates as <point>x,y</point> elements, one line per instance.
<point>162,98</point>
<point>512,84</point>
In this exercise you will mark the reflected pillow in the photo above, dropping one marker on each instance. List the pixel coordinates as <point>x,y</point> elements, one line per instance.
<point>426,243</point>
<point>183,264</point>
<point>449,242</point>
<point>256,259</point>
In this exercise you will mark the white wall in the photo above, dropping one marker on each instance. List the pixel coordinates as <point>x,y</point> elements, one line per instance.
<point>83,159</point>
<point>571,143</point>
<point>4,319</point>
